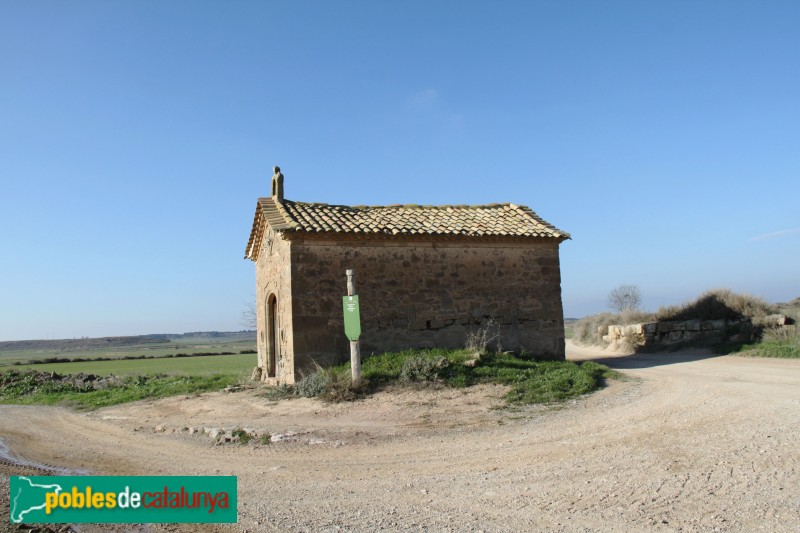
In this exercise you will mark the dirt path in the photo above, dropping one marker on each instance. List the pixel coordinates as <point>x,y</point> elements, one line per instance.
<point>690,442</point>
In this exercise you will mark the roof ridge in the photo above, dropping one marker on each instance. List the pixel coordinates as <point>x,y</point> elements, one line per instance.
<point>483,220</point>
<point>384,206</point>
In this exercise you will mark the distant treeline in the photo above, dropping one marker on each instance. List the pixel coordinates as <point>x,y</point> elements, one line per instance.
<point>49,360</point>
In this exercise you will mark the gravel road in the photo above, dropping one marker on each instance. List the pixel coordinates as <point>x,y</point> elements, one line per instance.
<point>688,442</point>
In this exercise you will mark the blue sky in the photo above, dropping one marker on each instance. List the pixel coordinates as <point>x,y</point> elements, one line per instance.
<point>135,138</point>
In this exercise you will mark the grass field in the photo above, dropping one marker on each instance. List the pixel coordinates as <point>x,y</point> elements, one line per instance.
<point>229,365</point>
<point>144,349</point>
<point>569,330</point>
<point>143,378</point>
<point>27,388</point>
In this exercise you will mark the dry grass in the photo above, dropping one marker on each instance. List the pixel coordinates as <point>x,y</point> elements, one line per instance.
<point>342,388</point>
<point>718,304</point>
<point>590,329</point>
<point>793,303</point>
<point>484,338</point>
<point>712,305</point>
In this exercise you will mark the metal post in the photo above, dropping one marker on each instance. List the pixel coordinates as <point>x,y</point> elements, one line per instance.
<point>355,347</point>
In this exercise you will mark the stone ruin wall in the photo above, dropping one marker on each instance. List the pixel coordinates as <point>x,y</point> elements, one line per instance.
<point>671,333</point>
<point>426,294</point>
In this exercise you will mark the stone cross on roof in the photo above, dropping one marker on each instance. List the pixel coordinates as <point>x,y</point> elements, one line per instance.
<point>277,184</point>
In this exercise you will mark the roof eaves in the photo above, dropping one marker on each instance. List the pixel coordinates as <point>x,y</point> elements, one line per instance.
<point>491,220</point>
<point>269,212</point>
<point>552,230</point>
<point>253,244</point>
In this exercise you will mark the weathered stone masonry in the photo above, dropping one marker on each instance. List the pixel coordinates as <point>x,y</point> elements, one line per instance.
<point>670,333</point>
<point>428,294</point>
<point>274,283</point>
<point>426,277</point>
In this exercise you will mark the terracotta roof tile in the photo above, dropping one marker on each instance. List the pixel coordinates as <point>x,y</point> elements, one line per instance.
<point>491,220</point>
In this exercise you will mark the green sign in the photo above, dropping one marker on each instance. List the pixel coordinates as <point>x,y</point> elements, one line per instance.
<point>352,317</point>
<point>122,499</point>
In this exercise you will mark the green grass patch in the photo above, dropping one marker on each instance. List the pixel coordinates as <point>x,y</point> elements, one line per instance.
<point>243,436</point>
<point>531,381</point>
<point>229,365</point>
<point>67,349</point>
<point>387,368</point>
<point>779,349</point>
<point>28,388</point>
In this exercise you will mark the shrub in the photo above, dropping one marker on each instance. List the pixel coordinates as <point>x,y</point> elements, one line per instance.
<point>385,368</point>
<point>341,387</point>
<point>780,342</point>
<point>718,304</point>
<point>633,341</point>
<point>590,329</point>
<point>423,369</point>
<point>787,334</point>
<point>486,335</point>
<point>634,316</point>
<point>243,436</point>
<point>314,384</point>
<point>787,347</point>
<point>331,385</point>
<point>777,349</point>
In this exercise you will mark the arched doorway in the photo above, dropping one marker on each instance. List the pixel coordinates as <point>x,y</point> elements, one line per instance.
<point>273,334</point>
